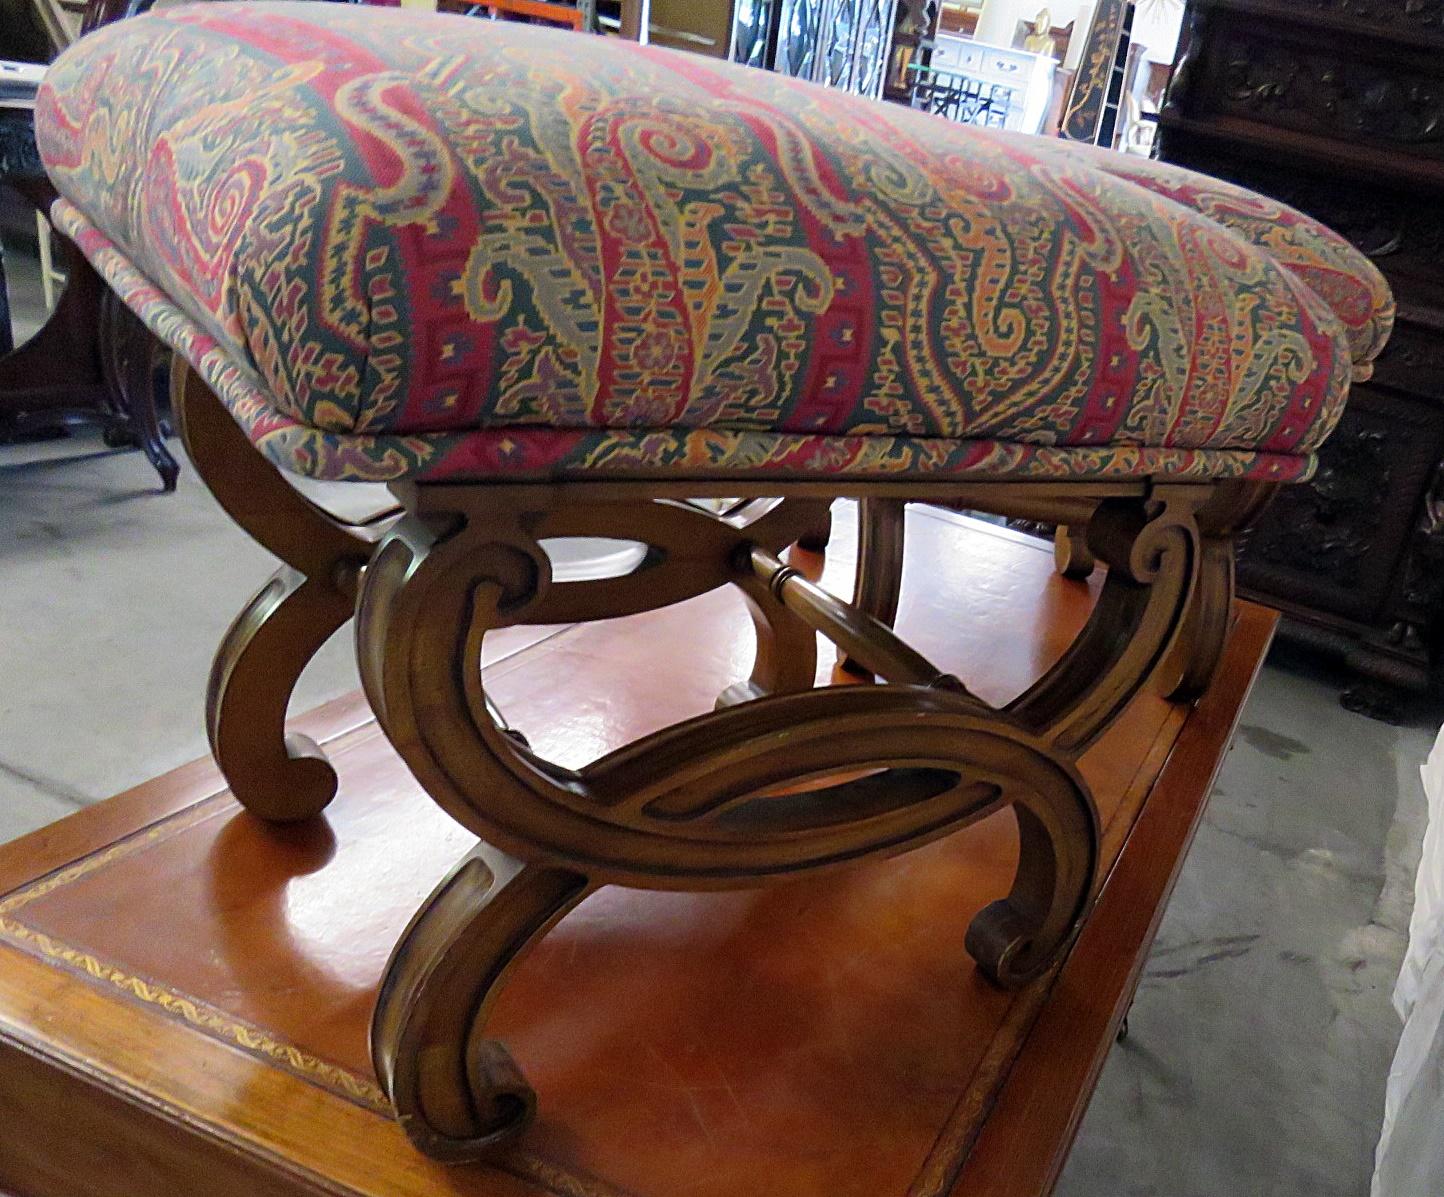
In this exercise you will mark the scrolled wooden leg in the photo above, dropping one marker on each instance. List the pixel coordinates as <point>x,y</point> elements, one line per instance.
<point>1233,507</point>
<point>1205,626</point>
<point>758,791</point>
<point>1020,937</point>
<point>880,551</point>
<point>1151,548</point>
<point>458,1094</point>
<point>275,776</point>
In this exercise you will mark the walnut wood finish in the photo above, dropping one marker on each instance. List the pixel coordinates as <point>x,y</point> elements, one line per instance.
<point>781,779</point>
<point>878,584</point>
<point>1202,608</point>
<point>828,1035</point>
<point>276,776</point>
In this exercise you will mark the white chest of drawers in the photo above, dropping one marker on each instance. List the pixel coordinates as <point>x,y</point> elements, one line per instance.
<point>1028,77</point>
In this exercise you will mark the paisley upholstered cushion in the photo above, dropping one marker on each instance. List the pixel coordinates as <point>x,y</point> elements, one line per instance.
<point>1337,272</point>
<point>405,245</point>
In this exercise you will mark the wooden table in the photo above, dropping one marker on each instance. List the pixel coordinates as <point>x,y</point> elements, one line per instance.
<point>184,993</point>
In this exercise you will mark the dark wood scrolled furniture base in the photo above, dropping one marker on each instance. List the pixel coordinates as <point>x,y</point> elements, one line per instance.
<point>782,778</point>
<point>92,363</point>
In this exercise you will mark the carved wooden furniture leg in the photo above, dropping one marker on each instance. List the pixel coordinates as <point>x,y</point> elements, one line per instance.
<point>134,365</point>
<point>794,781</point>
<point>877,584</point>
<point>457,1093</point>
<point>276,776</point>
<point>1151,549</point>
<point>1230,509</point>
<point>1234,506</point>
<point>91,362</point>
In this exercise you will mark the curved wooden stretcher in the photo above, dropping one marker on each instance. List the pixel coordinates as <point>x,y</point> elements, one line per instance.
<point>781,779</point>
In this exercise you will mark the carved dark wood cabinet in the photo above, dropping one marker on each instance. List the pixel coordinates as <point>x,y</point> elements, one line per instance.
<point>1337,107</point>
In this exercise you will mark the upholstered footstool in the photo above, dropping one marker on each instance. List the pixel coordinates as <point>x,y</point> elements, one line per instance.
<point>548,285</point>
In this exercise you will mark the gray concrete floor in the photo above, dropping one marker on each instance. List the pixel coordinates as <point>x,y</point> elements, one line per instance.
<point>1262,1032</point>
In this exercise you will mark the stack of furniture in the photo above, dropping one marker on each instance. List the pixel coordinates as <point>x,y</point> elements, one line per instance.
<point>1337,107</point>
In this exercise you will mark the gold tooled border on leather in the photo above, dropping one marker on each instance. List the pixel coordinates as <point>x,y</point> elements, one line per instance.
<point>215,1023</point>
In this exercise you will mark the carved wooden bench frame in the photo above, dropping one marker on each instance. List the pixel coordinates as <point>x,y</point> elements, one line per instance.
<point>711,802</point>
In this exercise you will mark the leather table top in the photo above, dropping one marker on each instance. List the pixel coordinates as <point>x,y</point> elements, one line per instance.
<point>828,1035</point>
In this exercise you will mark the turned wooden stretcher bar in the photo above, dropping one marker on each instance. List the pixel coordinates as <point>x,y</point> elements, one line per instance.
<point>573,300</point>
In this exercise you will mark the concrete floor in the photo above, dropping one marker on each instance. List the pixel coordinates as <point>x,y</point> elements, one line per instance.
<point>1262,1033</point>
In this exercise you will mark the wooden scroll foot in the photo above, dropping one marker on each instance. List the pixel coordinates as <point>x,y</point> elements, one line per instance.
<point>1071,556</point>
<point>275,776</point>
<point>458,1094</point>
<point>1020,937</point>
<point>278,777</point>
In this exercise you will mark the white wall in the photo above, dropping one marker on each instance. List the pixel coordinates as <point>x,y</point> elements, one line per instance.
<point>1157,28</point>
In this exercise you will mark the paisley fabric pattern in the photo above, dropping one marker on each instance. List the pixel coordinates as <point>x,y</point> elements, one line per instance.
<point>1342,276</point>
<point>405,245</point>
